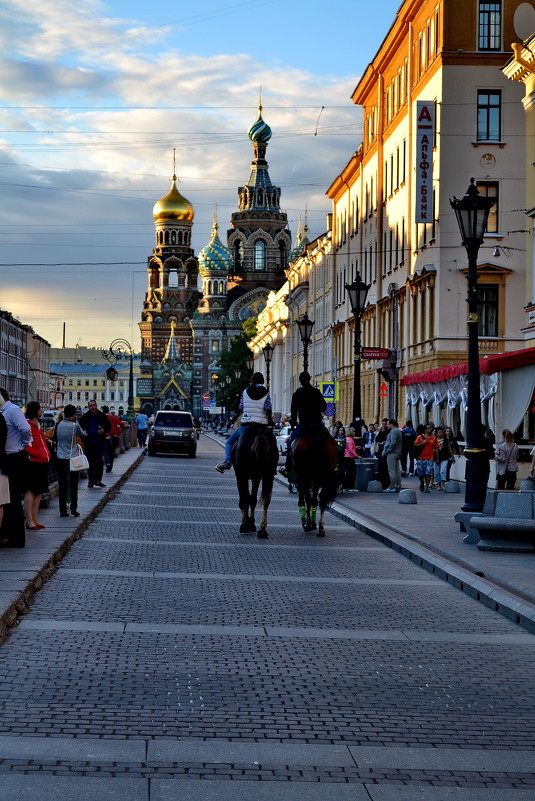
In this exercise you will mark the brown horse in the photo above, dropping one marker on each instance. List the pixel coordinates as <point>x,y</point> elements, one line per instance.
<point>255,459</point>
<point>314,460</point>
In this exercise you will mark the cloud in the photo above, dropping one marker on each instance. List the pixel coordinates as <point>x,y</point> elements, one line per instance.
<point>83,167</point>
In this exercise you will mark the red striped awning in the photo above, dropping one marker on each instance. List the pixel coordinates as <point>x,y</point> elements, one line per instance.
<point>487,365</point>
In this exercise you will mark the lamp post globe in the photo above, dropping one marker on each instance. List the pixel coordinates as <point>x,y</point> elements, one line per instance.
<point>472,213</point>
<point>357,292</point>
<point>305,325</point>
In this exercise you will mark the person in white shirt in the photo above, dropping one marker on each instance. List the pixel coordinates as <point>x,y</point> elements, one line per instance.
<point>19,434</point>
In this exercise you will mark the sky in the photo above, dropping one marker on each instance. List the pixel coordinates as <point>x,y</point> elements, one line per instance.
<point>95,96</point>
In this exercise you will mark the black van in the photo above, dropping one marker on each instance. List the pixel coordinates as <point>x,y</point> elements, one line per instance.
<point>172,432</point>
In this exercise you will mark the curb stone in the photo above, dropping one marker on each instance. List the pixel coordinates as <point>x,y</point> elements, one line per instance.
<point>491,594</point>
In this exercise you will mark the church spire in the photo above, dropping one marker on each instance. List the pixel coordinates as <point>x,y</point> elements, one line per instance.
<point>171,352</point>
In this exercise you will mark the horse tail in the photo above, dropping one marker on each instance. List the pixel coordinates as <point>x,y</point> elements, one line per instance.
<point>261,447</point>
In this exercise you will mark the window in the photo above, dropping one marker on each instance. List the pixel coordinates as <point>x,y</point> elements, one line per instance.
<point>487,310</point>
<point>489,115</point>
<point>489,25</point>
<point>490,189</point>
<point>260,255</point>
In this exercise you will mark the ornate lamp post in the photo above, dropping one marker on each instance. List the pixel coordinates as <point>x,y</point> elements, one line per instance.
<point>268,356</point>
<point>250,364</point>
<point>117,350</point>
<point>357,291</point>
<point>305,325</point>
<point>472,213</point>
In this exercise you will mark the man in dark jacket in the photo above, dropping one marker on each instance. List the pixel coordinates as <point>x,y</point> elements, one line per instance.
<point>308,406</point>
<point>96,425</point>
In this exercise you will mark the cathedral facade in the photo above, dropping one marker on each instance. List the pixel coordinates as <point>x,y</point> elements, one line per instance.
<point>195,306</point>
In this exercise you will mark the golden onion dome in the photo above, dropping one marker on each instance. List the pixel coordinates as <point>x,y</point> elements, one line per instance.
<point>173,206</point>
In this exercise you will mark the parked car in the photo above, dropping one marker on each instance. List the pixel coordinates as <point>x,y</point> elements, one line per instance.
<point>283,437</point>
<point>172,432</point>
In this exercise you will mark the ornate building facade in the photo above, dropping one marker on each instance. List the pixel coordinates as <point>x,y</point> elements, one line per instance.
<point>196,306</point>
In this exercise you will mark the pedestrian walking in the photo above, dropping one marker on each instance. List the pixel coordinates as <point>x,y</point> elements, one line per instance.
<point>426,446</point>
<point>37,480</point>
<point>18,435</point>
<point>65,436</point>
<point>348,461</point>
<point>407,448</point>
<point>368,437</point>
<point>142,426</point>
<point>4,483</point>
<point>97,425</point>
<point>444,454</point>
<point>377,450</point>
<point>112,437</point>
<point>506,455</point>
<point>392,451</point>
<point>455,449</point>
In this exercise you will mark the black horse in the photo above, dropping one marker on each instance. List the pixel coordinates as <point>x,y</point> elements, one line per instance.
<point>255,459</point>
<point>314,460</point>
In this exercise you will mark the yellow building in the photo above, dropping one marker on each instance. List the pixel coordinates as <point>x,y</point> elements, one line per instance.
<point>522,68</point>
<point>392,220</point>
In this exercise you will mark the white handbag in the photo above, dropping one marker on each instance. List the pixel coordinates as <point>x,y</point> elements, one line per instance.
<point>80,460</point>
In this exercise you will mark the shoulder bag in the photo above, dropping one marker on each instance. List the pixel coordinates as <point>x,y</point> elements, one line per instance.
<point>80,460</point>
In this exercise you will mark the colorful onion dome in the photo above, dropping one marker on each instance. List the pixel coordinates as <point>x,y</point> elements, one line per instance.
<point>173,206</point>
<point>260,130</point>
<point>215,257</point>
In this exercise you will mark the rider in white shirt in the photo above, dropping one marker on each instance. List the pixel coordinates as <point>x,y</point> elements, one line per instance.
<point>255,407</point>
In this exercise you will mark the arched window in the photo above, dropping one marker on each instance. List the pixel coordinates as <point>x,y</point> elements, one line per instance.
<point>173,237</point>
<point>173,278</point>
<point>180,238</point>
<point>167,237</point>
<point>260,255</point>
<point>260,196</point>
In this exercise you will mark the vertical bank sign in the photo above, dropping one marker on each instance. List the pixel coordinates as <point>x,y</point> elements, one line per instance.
<point>425,129</point>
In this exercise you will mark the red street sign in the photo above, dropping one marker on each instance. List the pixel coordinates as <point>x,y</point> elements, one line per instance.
<point>206,397</point>
<point>375,353</point>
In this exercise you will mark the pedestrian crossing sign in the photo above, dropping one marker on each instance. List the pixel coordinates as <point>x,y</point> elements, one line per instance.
<point>328,390</point>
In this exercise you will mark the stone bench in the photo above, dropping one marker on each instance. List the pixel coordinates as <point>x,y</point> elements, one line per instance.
<point>507,522</point>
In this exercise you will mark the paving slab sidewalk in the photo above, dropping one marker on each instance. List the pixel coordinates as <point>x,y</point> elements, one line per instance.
<point>427,533</point>
<point>23,571</point>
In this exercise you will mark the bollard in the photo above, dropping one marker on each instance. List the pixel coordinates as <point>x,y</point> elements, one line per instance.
<point>452,486</point>
<point>374,486</point>
<point>407,496</point>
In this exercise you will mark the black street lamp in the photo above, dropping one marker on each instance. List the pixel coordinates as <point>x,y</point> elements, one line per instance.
<point>357,291</point>
<point>472,213</point>
<point>118,349</point>
<point>250,363</point>
<point>268,356</point>
<point>305,325</point>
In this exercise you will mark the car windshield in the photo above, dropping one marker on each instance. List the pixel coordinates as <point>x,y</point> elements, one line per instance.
<point>173,420</point>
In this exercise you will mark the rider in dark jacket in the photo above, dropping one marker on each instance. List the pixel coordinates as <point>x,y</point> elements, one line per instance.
<point>308,406</point>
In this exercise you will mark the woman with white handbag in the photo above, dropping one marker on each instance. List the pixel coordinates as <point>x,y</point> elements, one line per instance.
<point>68,461</point>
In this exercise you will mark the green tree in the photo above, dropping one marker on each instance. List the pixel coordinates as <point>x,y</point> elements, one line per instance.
<point>232,359</point>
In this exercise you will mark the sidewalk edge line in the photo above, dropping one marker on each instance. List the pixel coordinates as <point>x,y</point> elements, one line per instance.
<point>19,606</point>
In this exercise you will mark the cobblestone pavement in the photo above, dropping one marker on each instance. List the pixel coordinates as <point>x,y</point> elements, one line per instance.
<point>172,658</point>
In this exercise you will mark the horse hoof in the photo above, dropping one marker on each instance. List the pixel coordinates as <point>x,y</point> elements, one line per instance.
<point>312,527</point>
<point>321,532</point>
<point>244,528</point>
<point>262,534</point>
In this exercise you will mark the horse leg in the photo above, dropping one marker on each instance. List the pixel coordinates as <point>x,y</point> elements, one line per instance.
<point>253,495</point>
<point>267,488</point>
<point>244,502</point>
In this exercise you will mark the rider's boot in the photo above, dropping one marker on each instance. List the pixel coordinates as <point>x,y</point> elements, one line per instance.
<point>222,466</point>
